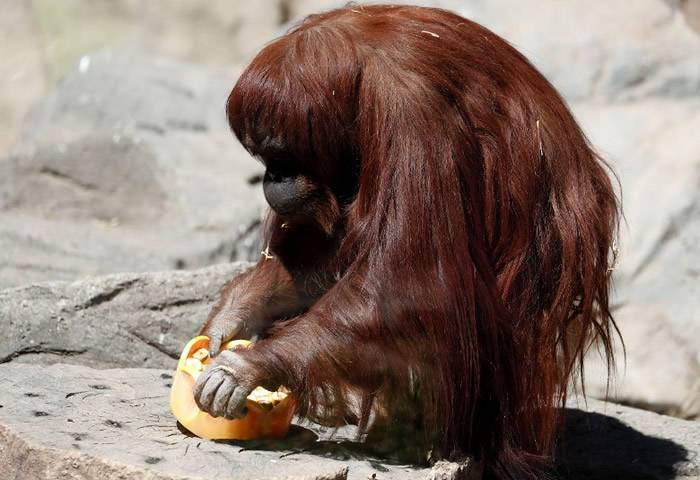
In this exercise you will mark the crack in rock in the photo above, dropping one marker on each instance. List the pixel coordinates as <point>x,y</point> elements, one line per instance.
<point>107,296</point>
<point>154,344</point>
<point>64,352</point>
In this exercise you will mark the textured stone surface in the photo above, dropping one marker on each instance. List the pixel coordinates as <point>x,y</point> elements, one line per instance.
<point>128,166</point>
<point>128,320</point>
<point>83,423</point>
<point>606,441</point>
<point>43,40</point>
<point>655,149</point>
<point>74,422</point>
<point>596,50</point>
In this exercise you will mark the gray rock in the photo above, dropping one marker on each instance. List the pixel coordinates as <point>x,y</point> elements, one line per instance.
<point>690,10</point>
<point>44,40</point>
<point>656,153</point>
<point>602,51</point>
<point>446,470</point>
<point>74,422</point>
<point>127,320</point>
<point>609,441</point>
<point>128,93</point>
<point>128,166</point>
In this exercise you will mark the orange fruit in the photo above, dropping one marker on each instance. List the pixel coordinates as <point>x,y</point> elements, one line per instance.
<point>269,413</point>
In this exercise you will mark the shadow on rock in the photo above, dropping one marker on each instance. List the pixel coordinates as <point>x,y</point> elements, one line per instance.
<point>597,447</point>
<point>593,447</point>
<point>340,444</point>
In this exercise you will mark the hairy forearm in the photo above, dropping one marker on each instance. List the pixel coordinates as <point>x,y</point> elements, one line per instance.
<point>335,340</point>
<point>257,297</point>
<point>290,276</point>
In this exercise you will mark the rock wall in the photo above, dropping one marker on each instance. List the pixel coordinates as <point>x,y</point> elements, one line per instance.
<point>120,320</point>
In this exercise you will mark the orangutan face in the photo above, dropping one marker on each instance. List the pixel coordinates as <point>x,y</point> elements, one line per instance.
<point>306,195</point>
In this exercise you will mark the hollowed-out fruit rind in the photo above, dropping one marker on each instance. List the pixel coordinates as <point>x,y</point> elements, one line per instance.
<point>259,422</point>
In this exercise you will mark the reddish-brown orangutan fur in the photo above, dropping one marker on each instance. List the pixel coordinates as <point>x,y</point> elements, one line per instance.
<point>468,257</point>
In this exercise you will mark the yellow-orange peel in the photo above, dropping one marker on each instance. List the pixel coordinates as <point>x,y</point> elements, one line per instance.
<point>269,413</point>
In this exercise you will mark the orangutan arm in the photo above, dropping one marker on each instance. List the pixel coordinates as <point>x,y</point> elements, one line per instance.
<point>250,302</point>
<point>291,274</point>
<point>321,355</point>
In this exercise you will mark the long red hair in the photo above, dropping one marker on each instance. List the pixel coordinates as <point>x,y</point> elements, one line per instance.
<point>472,262</point>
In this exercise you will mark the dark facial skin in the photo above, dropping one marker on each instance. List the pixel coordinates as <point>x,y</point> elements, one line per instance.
<point>299,192</point>
<point>286,192</point>
<point>301,199</point>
